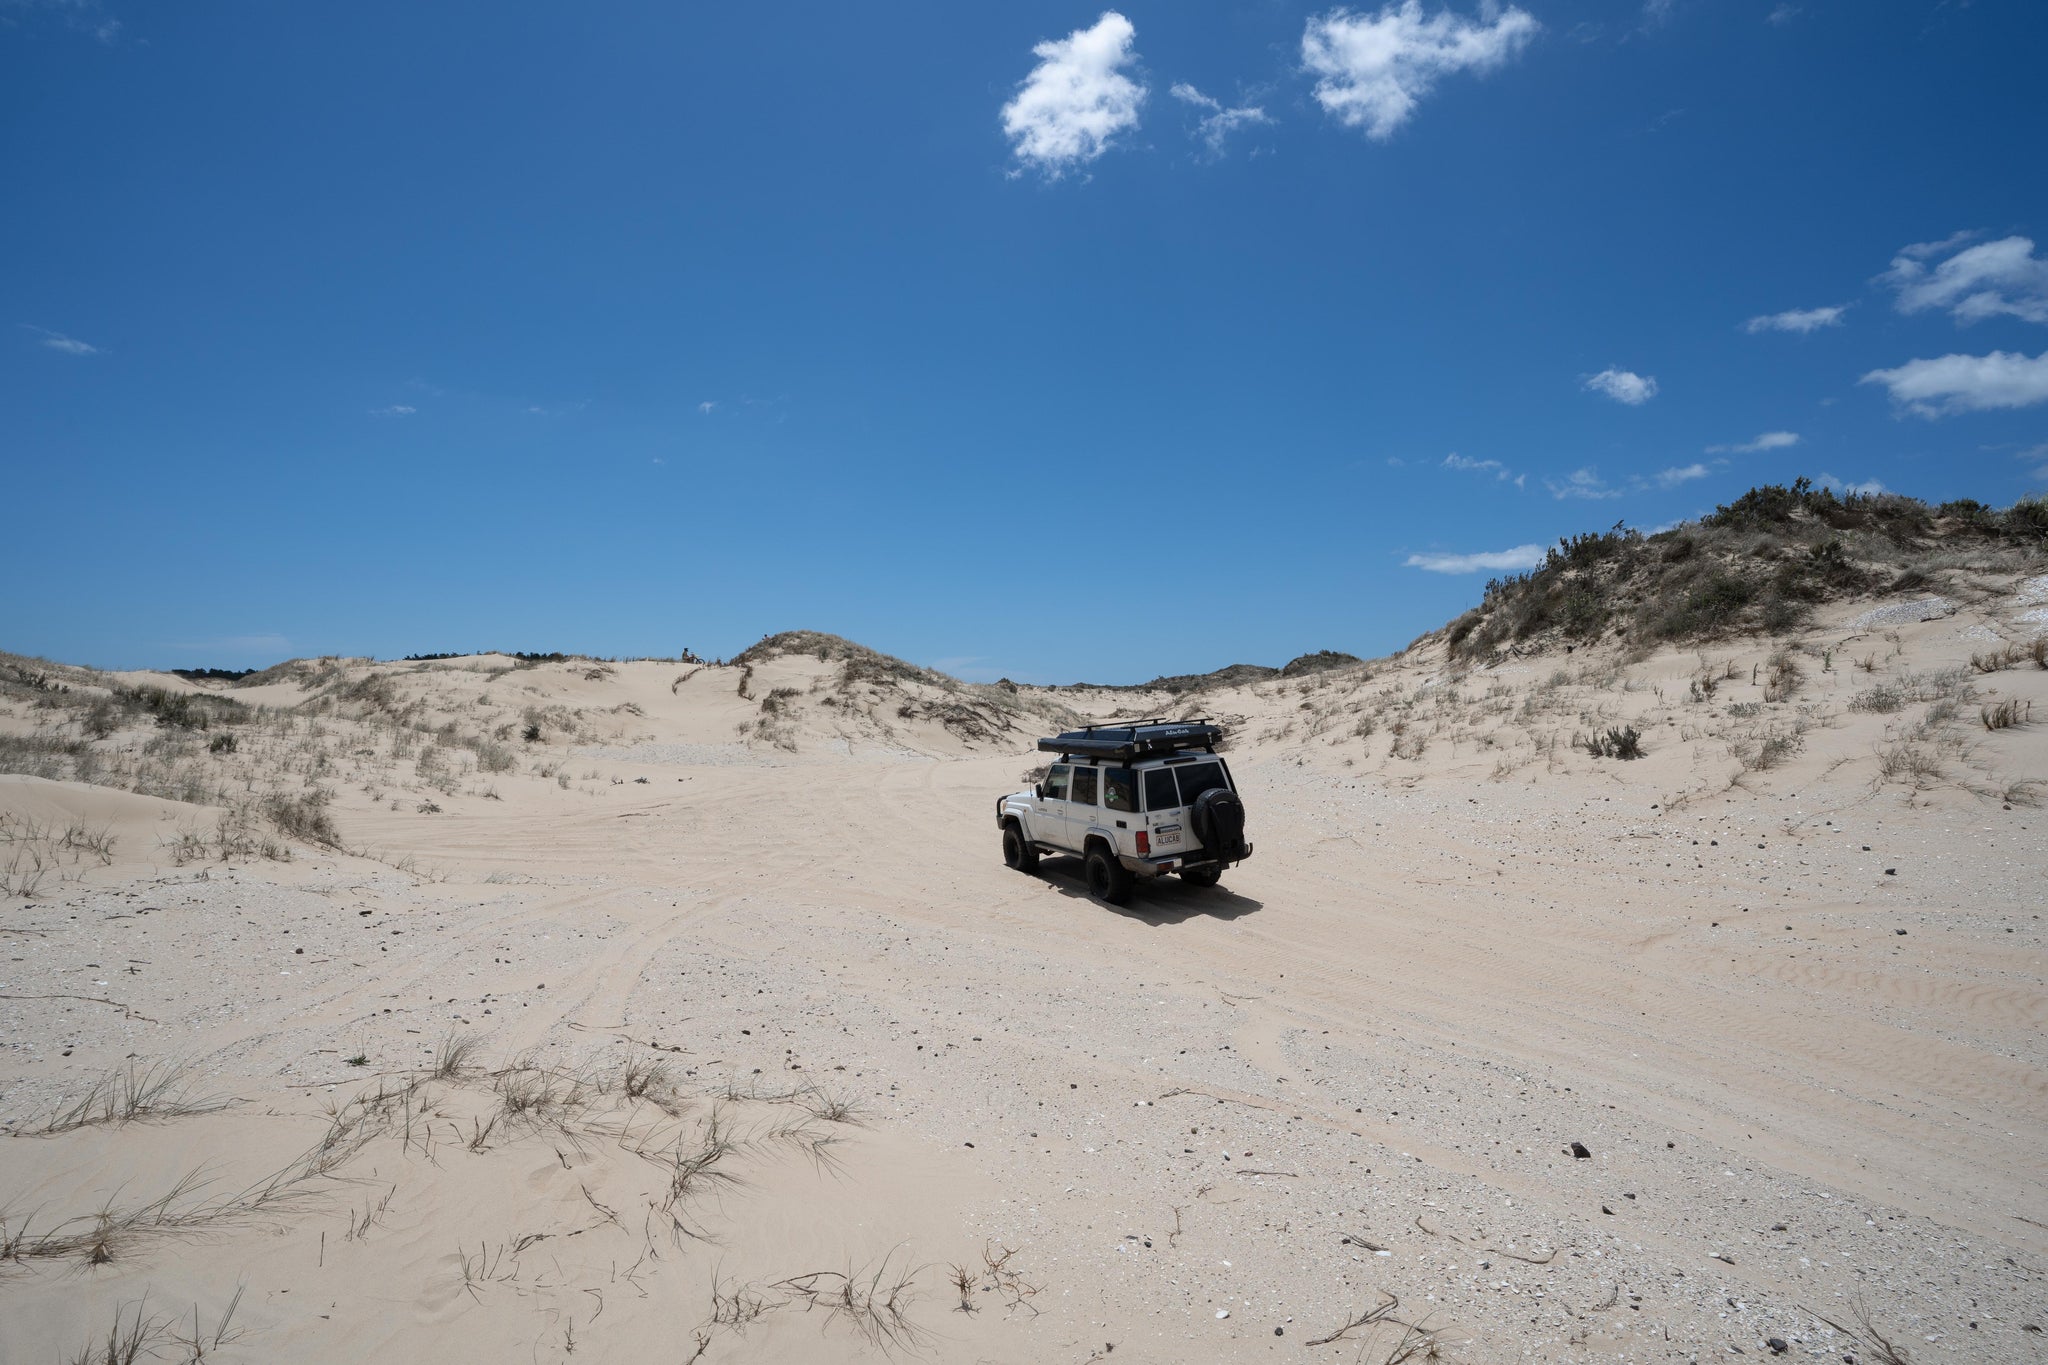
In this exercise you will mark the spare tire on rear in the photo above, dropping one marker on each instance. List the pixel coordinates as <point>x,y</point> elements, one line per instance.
<point>1218,820</point>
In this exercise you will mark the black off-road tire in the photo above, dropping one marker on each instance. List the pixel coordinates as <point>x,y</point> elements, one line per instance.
<point>1108,881</point>
<point>1017,850</point>
<point>1201,876</point>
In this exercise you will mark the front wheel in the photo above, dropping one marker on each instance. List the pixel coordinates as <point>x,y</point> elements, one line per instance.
<point>1202,876</point>
<point>1108,882</point>
<point>1017,850</point>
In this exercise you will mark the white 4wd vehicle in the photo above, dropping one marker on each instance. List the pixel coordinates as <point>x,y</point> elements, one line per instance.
<point>1137,800</point>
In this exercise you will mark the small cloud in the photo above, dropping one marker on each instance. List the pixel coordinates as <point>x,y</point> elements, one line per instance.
<point>1521,557</point>
<point>1770,440</point>
<point>707,406</point>
<point>1373,70</point>
<point>1395,461</point>
<point>1218,123</point>
<point>1966,383</point>
<point>1076,100</point>
<point>1623,386</point>
<point>1582,483</point>
<point>1869,488</point>
<point>2037,456</point>
<point>1672,478</point>
<point>395,410</point>
<point>1783,15</point>
<point>1657,12</point>
<point>1801,320</point>
<point>1990,279</point>
<point>57,341</point>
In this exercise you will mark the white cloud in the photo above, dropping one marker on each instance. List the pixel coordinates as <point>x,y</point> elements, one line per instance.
<point>1494,467</point>
<point>1218,123</point>
<point>1671,478</point>
<point>395,410</point>
<point>2038,453</point>
<point>1783,14</point>
<point>1770,440</point>
<point>1869,488</point>
<point>57,341</point>
<point>1372,70</point>
<point>1656,11</point>
<point>1987,280</point>
<point>1623,386</point>
<point>707,406</point>
<point>1582,483</point>
<point>1076,99</point>
<point>1966,383</point>
<point>1797,320</point>
<point>1521,557</point>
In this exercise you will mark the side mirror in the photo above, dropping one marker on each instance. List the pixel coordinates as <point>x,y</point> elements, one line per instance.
<point>1038,790</point>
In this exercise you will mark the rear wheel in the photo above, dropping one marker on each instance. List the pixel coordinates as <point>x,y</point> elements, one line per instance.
<point>1108,882</point>
<point>1017,850</point>
<point>1202,876</point>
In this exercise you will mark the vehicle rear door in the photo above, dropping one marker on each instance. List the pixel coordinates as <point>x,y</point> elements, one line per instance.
<point>1165,817</point>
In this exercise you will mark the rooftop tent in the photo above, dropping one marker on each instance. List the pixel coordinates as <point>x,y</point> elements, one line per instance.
<point>1142,739</point>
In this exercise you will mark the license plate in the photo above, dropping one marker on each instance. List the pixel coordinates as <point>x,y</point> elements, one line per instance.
<point>1166,834</point>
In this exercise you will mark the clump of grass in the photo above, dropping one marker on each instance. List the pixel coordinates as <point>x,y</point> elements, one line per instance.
<point>1785,676</point>
<point>1907,761</point>
<point>2004,715</point>
<point>303,817</point>
<point>455,1058</point>
<point>1883,699</point>
<point>1624,743</point>
<point>157,1091</point>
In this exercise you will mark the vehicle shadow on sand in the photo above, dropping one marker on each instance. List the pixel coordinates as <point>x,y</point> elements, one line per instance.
<point>1160,900</point>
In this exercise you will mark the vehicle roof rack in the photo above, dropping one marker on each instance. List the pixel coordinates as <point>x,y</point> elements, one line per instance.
<point>1130,740</point>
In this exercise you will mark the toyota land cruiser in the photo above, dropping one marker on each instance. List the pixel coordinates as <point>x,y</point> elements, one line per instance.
<point>1135,800</point>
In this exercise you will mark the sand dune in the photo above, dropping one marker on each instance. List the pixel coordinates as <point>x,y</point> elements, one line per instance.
<point>770,1058</point>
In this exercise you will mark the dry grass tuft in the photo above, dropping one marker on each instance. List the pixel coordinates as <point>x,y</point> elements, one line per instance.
<point>155,1091</point>
<point>2004,715</point>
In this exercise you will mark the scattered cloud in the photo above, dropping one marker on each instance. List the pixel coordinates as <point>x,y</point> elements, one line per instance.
<point>1770,440</point>
<point>57,341</point>
<point>1520,557</point>
<point>1656,12</point>
<point>1869,488</point>
<point>1623,386</point>
<point>1966,383</point>
<point>1671,478</point>
<point>1800,320</point>
<point>1990,279</point>
<point>1218,122</point>
<point>2037,456</point>
<point>1076,100</point>
<point>1494,467</point>
<point>1582,483</point>
<point>1783,15</point>
<point>707,406</point>
<point>1372,70</point>
<point>395,410</point>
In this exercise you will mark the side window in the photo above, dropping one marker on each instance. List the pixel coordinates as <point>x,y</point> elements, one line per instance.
<point>1160,793</point>
<point>1119,789</point>
<point>1056,782</point>
<point>1084,787</point>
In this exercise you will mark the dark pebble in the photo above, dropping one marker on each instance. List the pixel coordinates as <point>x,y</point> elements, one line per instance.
<point>1578,1149</point>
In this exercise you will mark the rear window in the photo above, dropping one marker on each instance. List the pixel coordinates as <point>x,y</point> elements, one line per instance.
<point>1197,778</point>
<point>1160,793</point>
<point>1084,787</point>
<point>1119,789</point>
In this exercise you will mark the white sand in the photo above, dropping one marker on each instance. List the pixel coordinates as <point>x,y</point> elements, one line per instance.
<point>1353,1072</point>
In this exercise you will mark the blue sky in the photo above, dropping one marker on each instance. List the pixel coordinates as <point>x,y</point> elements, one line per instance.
<point>1044,341</point>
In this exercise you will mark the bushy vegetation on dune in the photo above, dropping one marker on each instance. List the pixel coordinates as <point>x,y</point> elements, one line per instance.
<point>1758,564</point>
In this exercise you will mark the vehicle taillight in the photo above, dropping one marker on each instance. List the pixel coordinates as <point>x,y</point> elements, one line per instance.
<point>1144,844</point>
